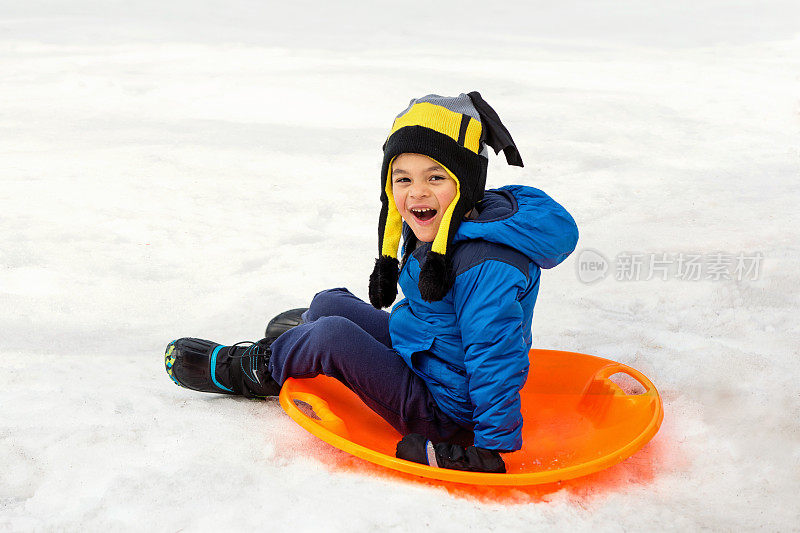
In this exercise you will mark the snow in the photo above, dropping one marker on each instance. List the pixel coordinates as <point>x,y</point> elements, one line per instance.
<point>188,169</point>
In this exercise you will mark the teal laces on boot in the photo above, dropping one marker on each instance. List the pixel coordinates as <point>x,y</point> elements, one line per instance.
<point>249,371</point>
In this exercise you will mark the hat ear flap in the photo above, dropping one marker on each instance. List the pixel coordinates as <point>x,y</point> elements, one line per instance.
<point>436,275</point>
<point>383,281</point>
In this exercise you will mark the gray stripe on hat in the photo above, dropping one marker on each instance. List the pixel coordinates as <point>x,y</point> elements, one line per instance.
<point>460,104</point>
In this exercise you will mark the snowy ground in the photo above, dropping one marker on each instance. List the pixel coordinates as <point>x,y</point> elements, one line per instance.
<point>193,169</point>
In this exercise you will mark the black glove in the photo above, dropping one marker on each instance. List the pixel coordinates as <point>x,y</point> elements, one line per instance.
<point>415,447</point>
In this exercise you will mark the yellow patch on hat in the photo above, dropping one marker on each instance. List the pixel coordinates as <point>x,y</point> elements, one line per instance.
<point>440,119</point>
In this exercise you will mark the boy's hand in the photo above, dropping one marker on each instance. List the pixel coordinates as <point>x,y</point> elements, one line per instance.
<point>415,447</point>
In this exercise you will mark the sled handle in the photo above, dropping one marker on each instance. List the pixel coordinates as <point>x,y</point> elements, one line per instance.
<point>327,418</point>
<point>616,368</point>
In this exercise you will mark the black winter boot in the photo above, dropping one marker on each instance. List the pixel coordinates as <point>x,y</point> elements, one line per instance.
<point>206,366</point>
<point>284,322</point>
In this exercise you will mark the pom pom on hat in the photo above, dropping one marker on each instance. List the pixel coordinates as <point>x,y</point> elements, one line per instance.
<point>383,281</point>
<point>435,277</point>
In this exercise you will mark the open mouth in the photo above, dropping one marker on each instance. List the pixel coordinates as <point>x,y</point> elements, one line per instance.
<point>423,215</point>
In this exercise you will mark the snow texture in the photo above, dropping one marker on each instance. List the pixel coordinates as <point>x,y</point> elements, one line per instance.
<point>183,168</point>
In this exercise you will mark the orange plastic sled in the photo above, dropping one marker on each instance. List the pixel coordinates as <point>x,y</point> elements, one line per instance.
<point>576,420</point>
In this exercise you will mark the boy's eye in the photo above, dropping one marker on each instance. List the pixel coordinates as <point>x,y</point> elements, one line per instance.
<point>437,177</point>
<point>401,180</point>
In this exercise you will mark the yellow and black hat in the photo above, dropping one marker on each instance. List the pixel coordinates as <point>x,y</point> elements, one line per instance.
<point>454,132</point>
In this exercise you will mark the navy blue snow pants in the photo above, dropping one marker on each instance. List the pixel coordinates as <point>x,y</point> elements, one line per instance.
<point>347,339</point>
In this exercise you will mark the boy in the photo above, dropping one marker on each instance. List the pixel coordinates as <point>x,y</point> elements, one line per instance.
<point>447,365</point>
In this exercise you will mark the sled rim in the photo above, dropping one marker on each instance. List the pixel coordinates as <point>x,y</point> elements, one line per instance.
<point>289,394</point>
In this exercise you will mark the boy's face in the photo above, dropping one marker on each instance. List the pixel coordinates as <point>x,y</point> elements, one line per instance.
<point>422,192</point>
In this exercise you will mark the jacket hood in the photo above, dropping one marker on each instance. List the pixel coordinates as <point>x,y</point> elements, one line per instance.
<point>525,219</point>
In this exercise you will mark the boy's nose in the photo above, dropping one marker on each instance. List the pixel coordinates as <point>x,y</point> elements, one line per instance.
<point>418,191</point>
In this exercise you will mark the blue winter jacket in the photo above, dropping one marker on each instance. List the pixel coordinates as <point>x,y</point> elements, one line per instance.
<point>471,348</point>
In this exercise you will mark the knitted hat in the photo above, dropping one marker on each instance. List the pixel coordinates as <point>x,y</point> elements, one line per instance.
<point>454,132</point>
